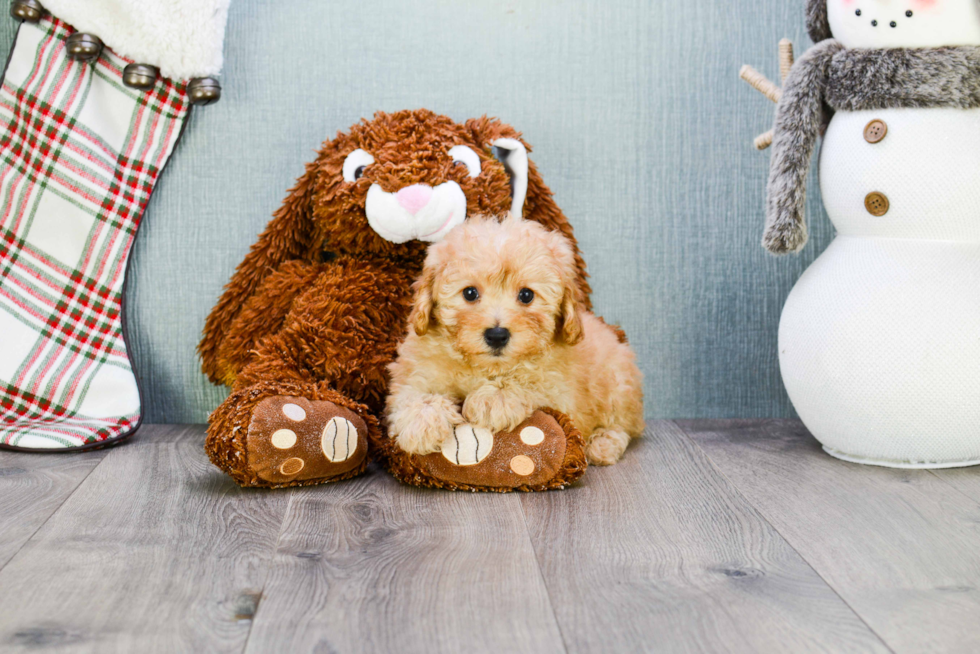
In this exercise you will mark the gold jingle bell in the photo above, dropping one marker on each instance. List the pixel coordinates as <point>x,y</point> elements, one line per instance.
<point>83,47</point>
<point>203,91</point>
<point>140,76</point>
<point>29,11</point>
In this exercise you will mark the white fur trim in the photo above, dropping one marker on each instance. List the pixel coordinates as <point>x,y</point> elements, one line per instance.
<point>517,163</point>
<point>445,210</point>
<point>183,38</point>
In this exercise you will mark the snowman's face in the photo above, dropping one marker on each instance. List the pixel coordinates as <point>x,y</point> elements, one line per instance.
<point>904,23</point>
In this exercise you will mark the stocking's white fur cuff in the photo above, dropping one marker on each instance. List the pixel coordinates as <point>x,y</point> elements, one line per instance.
<point>183,38</point>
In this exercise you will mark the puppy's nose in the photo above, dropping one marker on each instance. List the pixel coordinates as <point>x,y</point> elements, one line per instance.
<point>497,337</point>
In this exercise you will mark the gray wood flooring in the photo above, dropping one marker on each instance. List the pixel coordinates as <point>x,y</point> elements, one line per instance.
<point>710,536</point>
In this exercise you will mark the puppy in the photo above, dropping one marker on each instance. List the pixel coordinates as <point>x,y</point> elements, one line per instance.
<point>497,330</point>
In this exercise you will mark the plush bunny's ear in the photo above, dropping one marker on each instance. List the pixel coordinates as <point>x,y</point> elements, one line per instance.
<point>287,236</point>
<point>513,155</point>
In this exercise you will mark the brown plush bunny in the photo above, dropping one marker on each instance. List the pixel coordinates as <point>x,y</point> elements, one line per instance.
<point>313,315</point>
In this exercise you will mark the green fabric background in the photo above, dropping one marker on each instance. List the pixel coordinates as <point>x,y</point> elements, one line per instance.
<point>639,123</point>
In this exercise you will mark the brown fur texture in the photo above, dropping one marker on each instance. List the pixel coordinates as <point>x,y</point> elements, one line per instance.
<point>407,468</point>
<point>556,354</point>
<point>320,302</point>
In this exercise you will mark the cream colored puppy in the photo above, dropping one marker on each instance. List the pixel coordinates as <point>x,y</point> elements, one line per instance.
<point>497,331</point>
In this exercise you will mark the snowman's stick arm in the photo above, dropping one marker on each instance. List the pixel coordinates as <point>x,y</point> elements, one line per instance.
<point>760,83</point>
<point>763,141</point>
<point>799,116</point>
<point>786,59</point>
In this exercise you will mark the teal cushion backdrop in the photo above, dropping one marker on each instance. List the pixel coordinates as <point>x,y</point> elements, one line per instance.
<point>639,124</point>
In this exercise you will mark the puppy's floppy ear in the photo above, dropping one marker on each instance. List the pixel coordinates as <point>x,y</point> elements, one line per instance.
<point>423,303</point>
<point>569,328</point>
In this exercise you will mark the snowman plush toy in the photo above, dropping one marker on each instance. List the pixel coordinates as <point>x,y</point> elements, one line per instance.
<point>879,342</point>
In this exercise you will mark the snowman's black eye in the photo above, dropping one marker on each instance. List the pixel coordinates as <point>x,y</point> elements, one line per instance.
<point>909,13</point>
<point>874,23</point>
<point>526,296</point>
<point>857,13</point>
<point>893,24</point>
<point>470,294</point>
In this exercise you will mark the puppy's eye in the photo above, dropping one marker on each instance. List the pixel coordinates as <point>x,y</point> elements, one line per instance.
<point>470,294</point>
<point>355,163</point>
<point>526,296</point>
<point>463,155</point>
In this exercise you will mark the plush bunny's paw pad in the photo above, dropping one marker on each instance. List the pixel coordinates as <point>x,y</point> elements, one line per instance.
<point>292,439</point>
<point>469,445</point>
<point>528,457</point>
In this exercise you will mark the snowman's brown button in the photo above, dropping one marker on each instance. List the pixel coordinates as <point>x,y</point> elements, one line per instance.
<point>876,203</point>
<point>875,131</point>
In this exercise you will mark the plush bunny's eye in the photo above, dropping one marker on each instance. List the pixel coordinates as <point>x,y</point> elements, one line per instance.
<point>355,163</point>
<point>465,156</point>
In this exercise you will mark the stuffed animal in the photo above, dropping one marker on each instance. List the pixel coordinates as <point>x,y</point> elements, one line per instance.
<point>312,317</point>
<point>878,341</point>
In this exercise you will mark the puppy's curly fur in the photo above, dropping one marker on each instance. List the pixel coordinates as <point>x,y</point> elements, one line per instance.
<point>518,276</point>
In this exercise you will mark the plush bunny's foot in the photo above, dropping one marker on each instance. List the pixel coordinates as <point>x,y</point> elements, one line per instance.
<point>294,439</point>
<point>262,437</point>
<point>544,452</point>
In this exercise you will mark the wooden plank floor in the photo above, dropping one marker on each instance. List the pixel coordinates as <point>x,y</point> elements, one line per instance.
<point>721,536</point>
<point>901,547</point>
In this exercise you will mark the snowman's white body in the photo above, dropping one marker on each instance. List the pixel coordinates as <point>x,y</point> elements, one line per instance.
<point>879,342</point>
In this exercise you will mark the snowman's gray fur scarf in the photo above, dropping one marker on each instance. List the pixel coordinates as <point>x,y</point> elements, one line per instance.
<point>830,77</point>
<point>817,23</point>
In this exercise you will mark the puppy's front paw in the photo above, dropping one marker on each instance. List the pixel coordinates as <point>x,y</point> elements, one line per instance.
<point>423,426</point>
<point>495,410</point>
<point>606,447</point>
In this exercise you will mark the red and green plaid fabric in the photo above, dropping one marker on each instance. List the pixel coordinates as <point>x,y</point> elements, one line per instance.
<point>79,156</point>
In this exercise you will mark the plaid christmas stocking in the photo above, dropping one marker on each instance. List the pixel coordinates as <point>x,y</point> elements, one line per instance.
<point>80,153</point>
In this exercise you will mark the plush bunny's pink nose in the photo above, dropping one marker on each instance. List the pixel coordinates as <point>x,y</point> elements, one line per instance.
<point>413,198</point>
